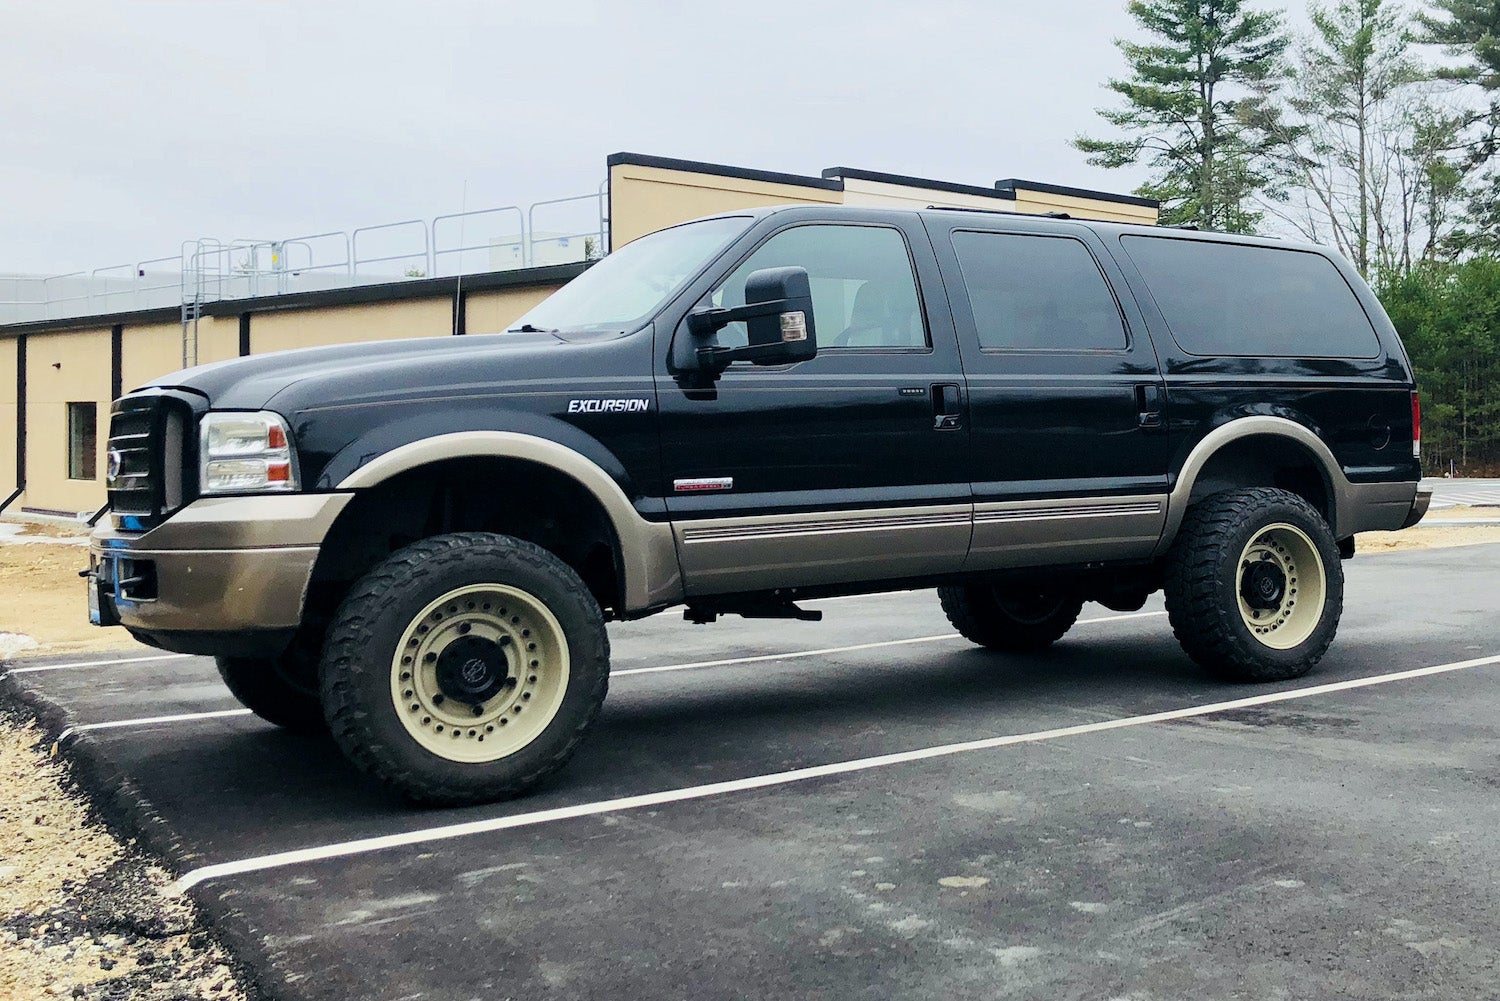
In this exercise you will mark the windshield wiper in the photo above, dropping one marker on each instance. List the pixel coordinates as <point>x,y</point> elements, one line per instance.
<point>527,328</point>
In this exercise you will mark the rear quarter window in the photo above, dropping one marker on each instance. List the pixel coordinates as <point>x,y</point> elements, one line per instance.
<point>1232,299</point>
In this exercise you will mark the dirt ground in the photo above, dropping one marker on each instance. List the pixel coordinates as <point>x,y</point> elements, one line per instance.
<point>42,599</point>
<point>81,914</point>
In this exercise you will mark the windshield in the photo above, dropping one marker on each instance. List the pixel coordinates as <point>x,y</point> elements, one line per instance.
<point>627,288</point>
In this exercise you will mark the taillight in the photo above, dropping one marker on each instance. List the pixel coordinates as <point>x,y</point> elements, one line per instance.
<point>1416,426</point>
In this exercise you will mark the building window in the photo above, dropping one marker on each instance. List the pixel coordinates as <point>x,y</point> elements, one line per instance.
<point>83,441</point>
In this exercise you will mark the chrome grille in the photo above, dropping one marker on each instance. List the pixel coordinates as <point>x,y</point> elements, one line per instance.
<point>147,477</point>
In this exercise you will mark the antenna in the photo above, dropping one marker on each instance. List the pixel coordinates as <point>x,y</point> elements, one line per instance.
<point>458,286</point>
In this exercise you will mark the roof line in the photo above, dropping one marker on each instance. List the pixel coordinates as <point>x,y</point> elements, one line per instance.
<point>1011,184</point>
<point>722,170</point>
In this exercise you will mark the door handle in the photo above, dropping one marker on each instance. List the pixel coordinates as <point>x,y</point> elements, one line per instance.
<point>947,407</point>
<point>1149,401</point>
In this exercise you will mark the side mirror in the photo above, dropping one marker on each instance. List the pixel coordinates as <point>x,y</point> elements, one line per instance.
<point>778,315</point>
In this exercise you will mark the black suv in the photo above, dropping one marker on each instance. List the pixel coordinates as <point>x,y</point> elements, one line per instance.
<point>417,543</point>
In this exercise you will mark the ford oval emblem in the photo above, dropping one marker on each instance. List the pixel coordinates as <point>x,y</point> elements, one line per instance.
<point>112,464</point>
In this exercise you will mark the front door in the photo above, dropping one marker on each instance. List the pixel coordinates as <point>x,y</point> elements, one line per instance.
<point>1068,412</point>
<point>843,468</point>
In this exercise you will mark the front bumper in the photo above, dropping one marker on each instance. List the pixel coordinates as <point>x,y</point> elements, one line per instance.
<point>220,567</point>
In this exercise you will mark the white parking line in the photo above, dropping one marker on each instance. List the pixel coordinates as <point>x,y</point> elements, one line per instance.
<point>365,845</point>
<point>98,663</point>
<point>148,720</point>
<point>795,655</point>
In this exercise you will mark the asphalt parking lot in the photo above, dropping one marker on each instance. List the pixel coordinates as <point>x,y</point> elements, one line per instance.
<point>872,808</point>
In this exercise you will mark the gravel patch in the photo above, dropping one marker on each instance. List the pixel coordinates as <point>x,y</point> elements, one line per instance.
<point>83,915</point>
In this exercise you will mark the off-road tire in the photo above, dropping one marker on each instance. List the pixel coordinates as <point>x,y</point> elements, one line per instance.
<point>981,614</point>
<point>378,614</point>
<point>1203,584</point>
<point>281,690</point>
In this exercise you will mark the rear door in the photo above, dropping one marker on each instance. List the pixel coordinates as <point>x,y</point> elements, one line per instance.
<point>1067,407</point>
<point>850,466</point>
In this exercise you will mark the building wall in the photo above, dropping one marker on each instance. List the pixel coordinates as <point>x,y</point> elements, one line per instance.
<point>491,312</point>
<point>149,351</point>
<point>858,191</point>
<point>64,367</point>
<point>646,199</point>
<point>383,321</point>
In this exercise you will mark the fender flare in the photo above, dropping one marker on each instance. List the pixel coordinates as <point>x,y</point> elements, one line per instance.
<point>1258,425</point>
<point>648,555</point>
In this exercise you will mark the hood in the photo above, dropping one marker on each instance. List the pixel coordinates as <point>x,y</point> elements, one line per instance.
<point>380,371</point>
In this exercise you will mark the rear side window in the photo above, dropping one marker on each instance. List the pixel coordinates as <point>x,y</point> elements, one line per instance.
<point>1039,293</point>
<point>1232,299</point>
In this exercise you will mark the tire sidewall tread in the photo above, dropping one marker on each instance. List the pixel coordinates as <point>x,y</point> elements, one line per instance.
<point>1202,584</point>
<point>355,674</point>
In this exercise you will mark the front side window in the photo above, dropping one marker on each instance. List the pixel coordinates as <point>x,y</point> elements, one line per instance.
<point>629,287</point>
<point>1037,293</point>
<point>1240,299</point>
<point>83,441</point>
<point>864,290</point>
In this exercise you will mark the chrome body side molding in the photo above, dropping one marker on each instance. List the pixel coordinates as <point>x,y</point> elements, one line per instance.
<point>726,555</point>
<point>1065,530</point>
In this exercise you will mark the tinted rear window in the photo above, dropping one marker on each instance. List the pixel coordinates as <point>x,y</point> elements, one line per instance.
<point>1037,293</point>
<point>1232,299</point>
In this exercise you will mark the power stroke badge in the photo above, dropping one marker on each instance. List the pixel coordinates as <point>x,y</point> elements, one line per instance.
<point>630,406</point>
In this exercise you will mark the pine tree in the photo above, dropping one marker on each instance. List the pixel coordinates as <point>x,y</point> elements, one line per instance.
<point>1195,108</point>
<point>1470,31</point>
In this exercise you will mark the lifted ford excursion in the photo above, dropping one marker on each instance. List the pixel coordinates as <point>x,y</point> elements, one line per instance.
<point>417,544</point>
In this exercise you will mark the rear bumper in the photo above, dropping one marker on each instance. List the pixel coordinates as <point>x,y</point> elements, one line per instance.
<point>225,566</point>
<point>1418,508</point>
<point>1379,507</point>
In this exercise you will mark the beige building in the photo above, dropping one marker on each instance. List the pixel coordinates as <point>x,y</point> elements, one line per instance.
<point>58,377</point>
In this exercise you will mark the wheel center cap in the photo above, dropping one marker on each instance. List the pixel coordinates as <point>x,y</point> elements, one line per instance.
<point>1263,586</point>
<point>472,669</point>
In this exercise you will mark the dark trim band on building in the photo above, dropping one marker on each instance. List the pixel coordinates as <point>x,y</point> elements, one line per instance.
<point>20,413</point>
<point>1012,184</point>
<point>722,170</point>
<point>244,335</point>
<point>116,360</point>
<point>904,180</point>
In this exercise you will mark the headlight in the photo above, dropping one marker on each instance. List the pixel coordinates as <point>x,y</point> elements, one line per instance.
<point>243,453</point>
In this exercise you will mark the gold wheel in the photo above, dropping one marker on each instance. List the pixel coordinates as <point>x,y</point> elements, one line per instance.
<point>480,673</point>
<point>1281,586</point>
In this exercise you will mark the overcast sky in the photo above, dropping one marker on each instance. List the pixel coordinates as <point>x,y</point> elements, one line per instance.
<point>128,127</point>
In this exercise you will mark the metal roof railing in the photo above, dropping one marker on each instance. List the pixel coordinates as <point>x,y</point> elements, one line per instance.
<point>207,270</point>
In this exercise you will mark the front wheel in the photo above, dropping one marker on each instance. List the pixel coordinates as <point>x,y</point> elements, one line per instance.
<point>1015,620</point>
<point>465,668</point>
<point>1254,585</point>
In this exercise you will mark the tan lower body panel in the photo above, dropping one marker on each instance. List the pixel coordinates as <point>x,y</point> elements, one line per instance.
<point>1065,531</point>
<point>727,555</point>
<point>220,590</point>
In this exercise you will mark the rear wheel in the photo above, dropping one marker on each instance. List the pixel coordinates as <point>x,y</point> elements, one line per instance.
<point>281,690</point>
<point>1254,585</point>
<point>465,668</point>
<point>1017,620</point>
